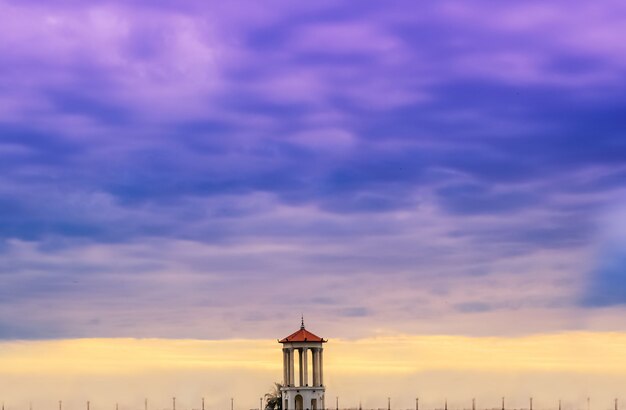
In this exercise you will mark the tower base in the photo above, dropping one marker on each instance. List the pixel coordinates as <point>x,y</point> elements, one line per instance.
<point>303,398</point>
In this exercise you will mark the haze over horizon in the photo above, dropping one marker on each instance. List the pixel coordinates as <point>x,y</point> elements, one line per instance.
<point>205,172</point>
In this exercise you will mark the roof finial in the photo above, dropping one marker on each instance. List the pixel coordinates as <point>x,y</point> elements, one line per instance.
<point>302,322</point>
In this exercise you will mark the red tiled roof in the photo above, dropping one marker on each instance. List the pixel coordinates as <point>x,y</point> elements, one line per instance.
<point>302,335</point>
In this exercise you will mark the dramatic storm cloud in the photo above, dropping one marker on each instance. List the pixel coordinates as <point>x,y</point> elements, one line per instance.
<point>212,170</point>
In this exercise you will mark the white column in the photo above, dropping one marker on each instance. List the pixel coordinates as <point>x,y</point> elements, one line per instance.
<point>291,368</point>
<point>317,367</point>
<point>314,372</point>
<point>300,383</point>
<point>285,368</point>
<point>321,359</point>
<point>305,366</point>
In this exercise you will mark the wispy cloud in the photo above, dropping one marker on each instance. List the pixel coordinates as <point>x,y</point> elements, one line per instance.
<point>403,161</point>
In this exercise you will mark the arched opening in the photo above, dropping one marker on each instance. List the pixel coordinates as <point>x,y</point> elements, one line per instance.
<point>286,405</point>
<point>313,404</point>
<point>299,402</point>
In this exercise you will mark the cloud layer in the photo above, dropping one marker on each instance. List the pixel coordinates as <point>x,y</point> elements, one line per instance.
<point>194,170</point>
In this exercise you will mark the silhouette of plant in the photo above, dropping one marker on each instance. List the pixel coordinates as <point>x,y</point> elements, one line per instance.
<point>273,399</point>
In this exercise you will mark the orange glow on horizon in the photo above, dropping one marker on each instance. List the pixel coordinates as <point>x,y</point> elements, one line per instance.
<point>570,352</point>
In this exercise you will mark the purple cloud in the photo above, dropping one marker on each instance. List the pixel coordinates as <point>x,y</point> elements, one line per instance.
<point>402,153</point>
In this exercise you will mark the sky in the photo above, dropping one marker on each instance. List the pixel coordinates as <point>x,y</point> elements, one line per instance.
<point>209,171</point>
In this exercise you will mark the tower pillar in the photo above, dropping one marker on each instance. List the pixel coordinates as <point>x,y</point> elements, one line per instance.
<point>300,376</point>
<point>314,364</point>
<point>321,359</point>
<point>318,363</point>
<point>285,367</point>
<point>305,366</point>
<point>292,377</point>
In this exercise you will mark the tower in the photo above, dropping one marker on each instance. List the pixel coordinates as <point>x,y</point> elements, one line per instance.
<point>305,392</point>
